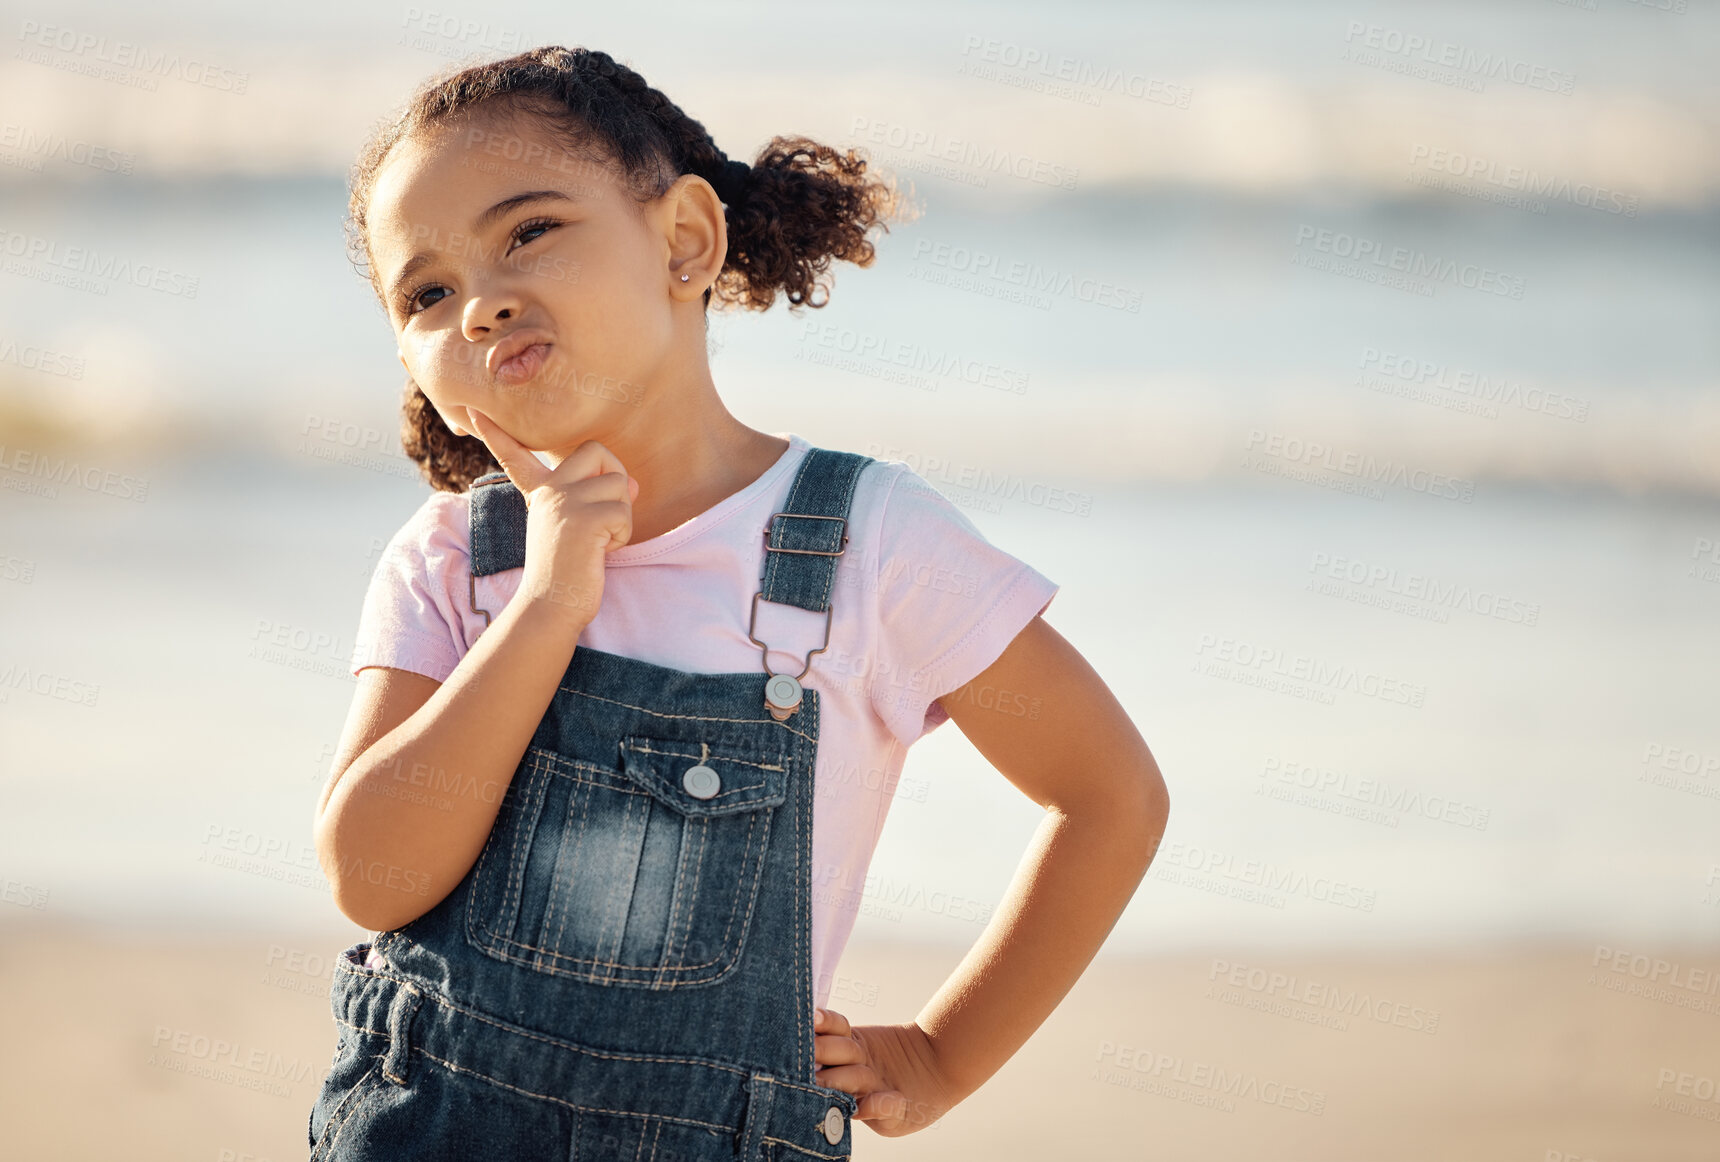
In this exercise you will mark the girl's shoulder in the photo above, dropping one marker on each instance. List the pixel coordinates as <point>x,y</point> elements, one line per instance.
<point>949,599</point>
<point>916,520</point>
<point>411,618</point>
<point>439,529</point>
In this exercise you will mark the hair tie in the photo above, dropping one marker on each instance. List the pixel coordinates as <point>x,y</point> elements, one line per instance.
<point>731,181</point>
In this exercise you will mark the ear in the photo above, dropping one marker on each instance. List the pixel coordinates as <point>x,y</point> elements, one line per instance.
<point>401,355</point>
<point>697,236</point>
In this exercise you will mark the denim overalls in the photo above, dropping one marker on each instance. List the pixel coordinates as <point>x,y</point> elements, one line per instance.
<point>626,971</point>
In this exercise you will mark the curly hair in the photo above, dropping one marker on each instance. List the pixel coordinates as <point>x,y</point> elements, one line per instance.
<point>796,208</point>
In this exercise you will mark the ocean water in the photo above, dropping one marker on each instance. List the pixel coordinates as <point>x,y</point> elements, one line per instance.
<point>1524,745</point>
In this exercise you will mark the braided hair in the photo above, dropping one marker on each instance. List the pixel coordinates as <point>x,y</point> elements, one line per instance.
<point>794,209</point>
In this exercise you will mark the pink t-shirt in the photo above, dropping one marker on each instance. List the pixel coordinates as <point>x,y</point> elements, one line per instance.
<point>922,603</point>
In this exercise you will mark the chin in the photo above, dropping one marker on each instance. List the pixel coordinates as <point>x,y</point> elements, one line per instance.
<point>536,435</point>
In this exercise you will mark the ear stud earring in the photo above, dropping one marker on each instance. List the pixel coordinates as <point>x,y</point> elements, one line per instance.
<point>683,278</point>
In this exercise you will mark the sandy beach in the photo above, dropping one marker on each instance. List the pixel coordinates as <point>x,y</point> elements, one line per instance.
<point>137,1048</point>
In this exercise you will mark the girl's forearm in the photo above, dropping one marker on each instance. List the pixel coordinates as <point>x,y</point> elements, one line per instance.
<point>1076,877</point>
<point>409,816</point>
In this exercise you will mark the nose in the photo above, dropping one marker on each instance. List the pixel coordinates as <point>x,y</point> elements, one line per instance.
<point>485,311</point>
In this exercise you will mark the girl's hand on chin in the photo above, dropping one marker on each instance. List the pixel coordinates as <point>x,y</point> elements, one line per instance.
<point>576,513</point>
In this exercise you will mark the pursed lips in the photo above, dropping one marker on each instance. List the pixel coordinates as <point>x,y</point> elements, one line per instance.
<point>518,357</point>
<point>523,366</point>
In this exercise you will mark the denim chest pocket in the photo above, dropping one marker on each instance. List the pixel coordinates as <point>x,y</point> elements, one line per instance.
<point>642,875</point>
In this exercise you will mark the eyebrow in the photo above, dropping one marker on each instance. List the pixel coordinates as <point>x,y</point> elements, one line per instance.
<point>500,209</point>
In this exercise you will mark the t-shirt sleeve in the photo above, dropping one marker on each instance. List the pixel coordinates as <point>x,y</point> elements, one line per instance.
<point>950,602</point>
<point>408,621</point>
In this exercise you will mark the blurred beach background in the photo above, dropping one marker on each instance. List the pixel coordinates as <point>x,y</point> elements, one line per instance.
<point>1407,569</point>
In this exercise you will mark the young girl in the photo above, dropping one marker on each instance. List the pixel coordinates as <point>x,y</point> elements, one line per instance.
<point>636,681</point>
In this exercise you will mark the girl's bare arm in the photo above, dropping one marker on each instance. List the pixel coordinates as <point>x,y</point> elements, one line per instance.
<point>422,766</point>
<point>1082,759</point>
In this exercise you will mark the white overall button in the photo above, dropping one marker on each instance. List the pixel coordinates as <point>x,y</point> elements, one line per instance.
<point>782,691</point>
<point>701,781</point>
<point>833,1125</point>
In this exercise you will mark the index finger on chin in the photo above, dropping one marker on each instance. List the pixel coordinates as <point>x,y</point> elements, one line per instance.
<point>591,458</point>
<point>524,469</point>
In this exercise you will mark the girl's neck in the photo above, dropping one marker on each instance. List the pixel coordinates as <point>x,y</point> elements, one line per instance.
<point>690,471</point>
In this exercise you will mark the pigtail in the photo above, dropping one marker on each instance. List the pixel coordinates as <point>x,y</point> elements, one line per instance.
<point>801,206</point>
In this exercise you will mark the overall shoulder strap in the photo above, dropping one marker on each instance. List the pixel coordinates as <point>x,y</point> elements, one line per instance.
<point>803,541</point>
<point>498,525</point>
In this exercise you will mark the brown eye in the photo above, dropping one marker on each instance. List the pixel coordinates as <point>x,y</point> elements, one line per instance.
<point>533,230</point>
<point>416,303</point>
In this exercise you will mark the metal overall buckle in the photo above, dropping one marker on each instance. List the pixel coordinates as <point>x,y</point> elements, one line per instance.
<point>782,693</point>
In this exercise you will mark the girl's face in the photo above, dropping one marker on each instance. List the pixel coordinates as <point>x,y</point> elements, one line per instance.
<point>528,284</point>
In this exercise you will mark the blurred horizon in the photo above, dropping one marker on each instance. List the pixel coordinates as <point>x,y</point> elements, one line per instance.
<point>1517,408</point>
<point>1239,149</point>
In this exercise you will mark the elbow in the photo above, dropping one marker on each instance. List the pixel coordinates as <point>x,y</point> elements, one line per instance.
<point>359,906</point>
<point>354,897</point>
<point>371,908</point>
<point>1152,811</point>
<point>1134,804</point>
<point>1128,816</point>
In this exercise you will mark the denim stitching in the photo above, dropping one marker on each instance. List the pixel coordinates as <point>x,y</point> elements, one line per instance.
<point>452,1005</point>
<point>483,876</point>
<point>475,920</point>
<point>337,1118</point>
<point>405,1034</point>
<point>363,1029</point>
<point>802,903</point>
<point>802,985</point>
<point>632,973</point>
<point>455,1067</point>
<point>800,479</point>
<point>700,843</point>
<point>702,838</point>
<point>684,717</point>
<point>643,749</point>
<point>844,490</point>
<point>629,973</point>
<point>751,848</point>
<point>553,1042</point>
<point>610,784</point>
<point>513,857</point>
<point>677,903</point>
<point>757,876</point>
<point>619,905</point>
<point>533,797</point>
<point>749,856</point>
<point>799,1149</point>
<point>555,887</point>
<point>726,797</point>
<point>817,537</point>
